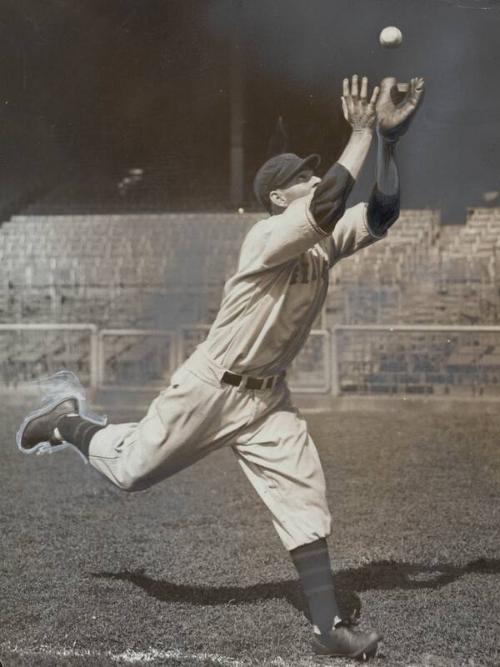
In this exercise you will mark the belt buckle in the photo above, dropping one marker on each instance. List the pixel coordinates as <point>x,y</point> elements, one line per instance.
<point>266,383</point>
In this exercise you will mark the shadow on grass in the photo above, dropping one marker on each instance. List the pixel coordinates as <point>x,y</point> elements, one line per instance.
<point>379,575</point>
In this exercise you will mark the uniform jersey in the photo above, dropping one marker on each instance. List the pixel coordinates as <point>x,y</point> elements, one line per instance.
<point>279,288</point>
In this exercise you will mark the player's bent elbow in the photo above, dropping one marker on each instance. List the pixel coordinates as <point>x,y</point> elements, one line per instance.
<point>383,212</point>
<point>327,221</point>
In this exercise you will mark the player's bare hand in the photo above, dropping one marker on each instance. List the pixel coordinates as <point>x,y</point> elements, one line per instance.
<point>397,105</point>
<point>359,111</point>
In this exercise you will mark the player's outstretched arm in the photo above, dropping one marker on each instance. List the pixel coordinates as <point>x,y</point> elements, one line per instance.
<point>384,204</point>
<point>395,111</point>
<point>330,197</point>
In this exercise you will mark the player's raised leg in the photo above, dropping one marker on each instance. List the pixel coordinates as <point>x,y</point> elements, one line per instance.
<point>182,425</point>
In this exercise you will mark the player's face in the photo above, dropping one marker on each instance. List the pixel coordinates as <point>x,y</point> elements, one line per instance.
<point>299,186</point>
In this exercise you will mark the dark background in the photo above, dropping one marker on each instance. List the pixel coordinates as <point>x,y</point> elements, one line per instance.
<point>94,87</point>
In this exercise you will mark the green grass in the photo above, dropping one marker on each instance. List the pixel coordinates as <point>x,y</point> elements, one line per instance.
<point>193,565</point>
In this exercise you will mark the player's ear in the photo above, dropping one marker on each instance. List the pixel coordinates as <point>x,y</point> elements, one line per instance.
<point>277,198</point>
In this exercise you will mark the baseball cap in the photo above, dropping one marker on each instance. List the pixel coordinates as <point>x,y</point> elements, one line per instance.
<point>277,171</point>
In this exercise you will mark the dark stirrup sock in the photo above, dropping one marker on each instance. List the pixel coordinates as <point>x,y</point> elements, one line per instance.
<point>78,431</point>
<point>313,565</point>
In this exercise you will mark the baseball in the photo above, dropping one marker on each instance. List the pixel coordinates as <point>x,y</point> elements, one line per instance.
<point>391,37</point>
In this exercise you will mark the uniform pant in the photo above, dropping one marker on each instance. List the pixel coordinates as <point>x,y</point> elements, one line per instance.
<point>198,414</point>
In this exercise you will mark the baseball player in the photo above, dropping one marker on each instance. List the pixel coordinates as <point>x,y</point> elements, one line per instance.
<point>232,391</point>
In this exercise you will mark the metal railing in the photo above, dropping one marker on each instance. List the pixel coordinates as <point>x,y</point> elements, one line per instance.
<point>130,358</point>
<point>349,360</point>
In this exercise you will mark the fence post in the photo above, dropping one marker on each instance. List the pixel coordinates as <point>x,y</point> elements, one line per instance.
<point>94,358</point>
<point>335,389</point>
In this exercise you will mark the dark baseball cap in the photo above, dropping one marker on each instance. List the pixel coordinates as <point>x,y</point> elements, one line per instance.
<point>277,171</point>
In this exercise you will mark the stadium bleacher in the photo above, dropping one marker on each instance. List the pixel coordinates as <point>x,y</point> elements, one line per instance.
<point>155,270</point>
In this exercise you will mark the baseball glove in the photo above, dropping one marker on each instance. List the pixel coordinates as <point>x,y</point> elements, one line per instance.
<point>397,105</point>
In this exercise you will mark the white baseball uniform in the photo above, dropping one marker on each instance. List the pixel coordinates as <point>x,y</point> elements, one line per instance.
<point>267,311</point>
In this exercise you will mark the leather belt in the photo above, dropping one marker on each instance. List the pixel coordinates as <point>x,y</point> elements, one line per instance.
<point>248,382</point>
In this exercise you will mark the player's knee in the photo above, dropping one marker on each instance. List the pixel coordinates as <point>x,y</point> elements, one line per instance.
<point>134,485</point>
<point>136,482</point>
<point>128,485</point>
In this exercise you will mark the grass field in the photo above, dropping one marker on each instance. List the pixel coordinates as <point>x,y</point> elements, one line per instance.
<point>191,572</point>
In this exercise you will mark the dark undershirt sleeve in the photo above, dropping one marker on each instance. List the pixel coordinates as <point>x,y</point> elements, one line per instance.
<point>330,197</point>
<point>383,211</point>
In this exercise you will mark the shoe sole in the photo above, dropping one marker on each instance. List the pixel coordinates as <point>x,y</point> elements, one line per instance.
<point>364,654</point>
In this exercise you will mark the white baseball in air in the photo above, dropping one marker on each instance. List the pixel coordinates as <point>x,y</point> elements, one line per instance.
<point>391,37</point>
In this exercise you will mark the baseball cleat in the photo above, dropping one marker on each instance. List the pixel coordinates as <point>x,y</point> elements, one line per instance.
<point>62,394</point>
<point>38,428</point>
<point>342,642</point>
